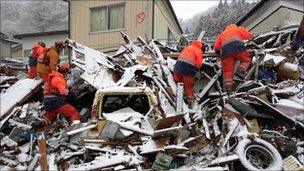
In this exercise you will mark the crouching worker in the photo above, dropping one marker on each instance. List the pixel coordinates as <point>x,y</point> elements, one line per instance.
<point>55,94</point>
<point>36,51</point>
<point>232,49</point>
<point>188,63</point>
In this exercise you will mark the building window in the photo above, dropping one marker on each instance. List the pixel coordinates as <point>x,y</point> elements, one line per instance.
<point>26,52</point>
<point>108,18</point>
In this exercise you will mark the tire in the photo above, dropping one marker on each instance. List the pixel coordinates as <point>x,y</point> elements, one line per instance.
<point>258,154</point>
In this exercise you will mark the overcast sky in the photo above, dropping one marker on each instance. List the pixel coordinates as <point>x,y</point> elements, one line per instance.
<point>186,9</point>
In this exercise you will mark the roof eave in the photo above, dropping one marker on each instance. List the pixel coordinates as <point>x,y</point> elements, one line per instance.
<point>37,34</point>
<point>10,41</point>
<point>174,15</point>
<point>251,12</point>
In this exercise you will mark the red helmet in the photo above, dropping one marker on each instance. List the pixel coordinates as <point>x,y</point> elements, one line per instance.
<point>63,68</point>
<point>60,44</point>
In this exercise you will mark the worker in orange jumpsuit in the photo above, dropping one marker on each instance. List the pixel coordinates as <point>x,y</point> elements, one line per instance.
<point>231,48</point>
<point>48,61</point>
<point>36,51</point>
<point>188,63</point>
<point>55,94</point>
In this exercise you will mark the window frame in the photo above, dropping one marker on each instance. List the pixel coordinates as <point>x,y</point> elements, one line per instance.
<point>108,18</point>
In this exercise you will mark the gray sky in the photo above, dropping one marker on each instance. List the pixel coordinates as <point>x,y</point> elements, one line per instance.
<point>186,9</point>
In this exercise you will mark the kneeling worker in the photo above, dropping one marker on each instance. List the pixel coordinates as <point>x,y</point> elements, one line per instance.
<point>55,94</point>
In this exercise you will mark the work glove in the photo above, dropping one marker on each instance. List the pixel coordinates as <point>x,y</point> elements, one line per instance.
<point>64,92</point>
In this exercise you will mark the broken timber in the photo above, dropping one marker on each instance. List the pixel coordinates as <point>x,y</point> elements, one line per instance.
<point>209,85</point>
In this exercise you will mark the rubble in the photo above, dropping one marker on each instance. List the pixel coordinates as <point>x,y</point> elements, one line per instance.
<point>134,116</point>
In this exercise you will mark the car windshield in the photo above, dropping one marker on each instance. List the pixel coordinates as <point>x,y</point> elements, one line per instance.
<point>137,102</point>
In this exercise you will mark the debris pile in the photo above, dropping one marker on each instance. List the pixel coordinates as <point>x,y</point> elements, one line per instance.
<point>9,72</point>
<point>134,115</point>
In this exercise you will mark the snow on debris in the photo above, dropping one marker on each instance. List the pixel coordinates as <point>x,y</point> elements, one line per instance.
<point>16,92</point>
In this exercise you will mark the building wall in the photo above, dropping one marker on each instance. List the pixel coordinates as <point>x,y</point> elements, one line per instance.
<point>5,49</point>
<point>106,40</point>
<point>138,22</point>
<point>17,54</point>
<point>164,20</point>
<point>28,42</point>
<point>271,15</point>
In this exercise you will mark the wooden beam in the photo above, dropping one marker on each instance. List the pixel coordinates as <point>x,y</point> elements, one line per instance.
<point>175,55</point>
<point>43,154</point>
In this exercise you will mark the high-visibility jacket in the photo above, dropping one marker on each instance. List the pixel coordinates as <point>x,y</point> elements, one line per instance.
<point>55,91</point>
<point>193,54</point>
<point>36,51</point>
<point>56,84</point>
<point>51,60</point>
<point>230,40</point>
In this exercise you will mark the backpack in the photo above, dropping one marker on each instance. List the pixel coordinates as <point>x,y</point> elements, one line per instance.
<point>42,58</point>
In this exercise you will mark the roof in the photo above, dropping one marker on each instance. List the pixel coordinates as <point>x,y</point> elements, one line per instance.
<point>6,38</point>
<point>37,34</point>
<point>174,15</point>
<point>16,46</point>
<point>252,11</point>
<point>3,36</point>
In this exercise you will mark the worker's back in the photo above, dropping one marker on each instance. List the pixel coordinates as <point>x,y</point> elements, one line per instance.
<point>230,34</point>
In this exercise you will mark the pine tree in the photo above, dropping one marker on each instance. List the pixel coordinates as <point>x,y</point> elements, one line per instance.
<point>222,15</point>
<point>220,5</point>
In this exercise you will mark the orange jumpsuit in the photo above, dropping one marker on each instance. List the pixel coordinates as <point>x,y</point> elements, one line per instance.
<point>189,61</point>
<point>48,62</point>
<point>229,42</point>
<point>36,51</point>
<point>55,92</point>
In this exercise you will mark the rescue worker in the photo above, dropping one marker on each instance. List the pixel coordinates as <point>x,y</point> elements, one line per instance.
<point>231,48</point>
<point>48,61</point>
<point>54,100</point>
<point>188,63</point>
<point>36,51</point>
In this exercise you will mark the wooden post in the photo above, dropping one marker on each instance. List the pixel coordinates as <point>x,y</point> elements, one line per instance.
<point>43,153</point>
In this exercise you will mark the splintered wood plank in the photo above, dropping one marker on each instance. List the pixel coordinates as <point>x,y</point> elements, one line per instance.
<point>43,154</point>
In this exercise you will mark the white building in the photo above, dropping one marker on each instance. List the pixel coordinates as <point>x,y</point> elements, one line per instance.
<point>29,39</point>
<point>273,13</point>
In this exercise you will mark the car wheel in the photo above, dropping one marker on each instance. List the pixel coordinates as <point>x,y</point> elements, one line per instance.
<point>258,154</point>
